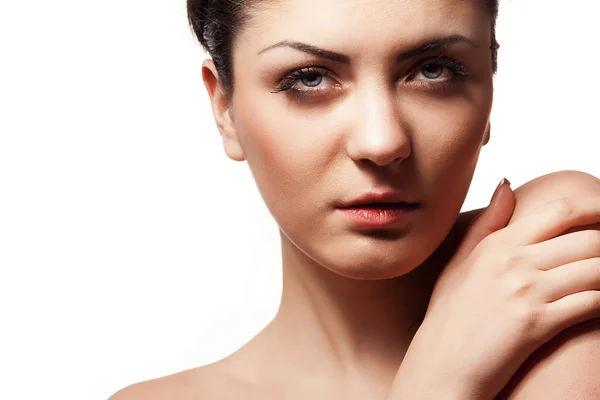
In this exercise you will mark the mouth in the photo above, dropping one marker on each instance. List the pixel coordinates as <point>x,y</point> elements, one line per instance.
<point>382,206</point>
<point>378,209</point>
<point>380,199</point>
<point>378,215</point>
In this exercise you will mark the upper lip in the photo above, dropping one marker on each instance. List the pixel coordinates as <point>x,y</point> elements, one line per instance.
<point>381,197</point>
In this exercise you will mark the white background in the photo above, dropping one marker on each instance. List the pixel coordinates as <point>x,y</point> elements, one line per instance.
<point>130,246</point>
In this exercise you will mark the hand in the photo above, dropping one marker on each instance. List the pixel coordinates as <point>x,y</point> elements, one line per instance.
<point>507,291</point>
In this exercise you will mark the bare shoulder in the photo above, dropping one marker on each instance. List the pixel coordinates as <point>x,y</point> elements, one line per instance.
<point>553,186</point>
<point>208,382</point>
<point>568,365</point>
<point>529,196</point>
<point>538,192</point>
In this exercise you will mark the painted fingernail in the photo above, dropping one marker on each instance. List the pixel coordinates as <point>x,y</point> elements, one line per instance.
<point>502,183</point>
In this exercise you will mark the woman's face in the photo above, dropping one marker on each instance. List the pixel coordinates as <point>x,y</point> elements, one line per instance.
<point>403,106</point>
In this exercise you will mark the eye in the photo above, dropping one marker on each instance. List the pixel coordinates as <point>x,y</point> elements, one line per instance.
<point>310,81</point>
<point>439,69</point>
<point>432,71</point>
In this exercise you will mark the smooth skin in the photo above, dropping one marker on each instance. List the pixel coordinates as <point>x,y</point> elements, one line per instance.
<point>381,116</point>
<point>566,367</point>
<point>502,296</point>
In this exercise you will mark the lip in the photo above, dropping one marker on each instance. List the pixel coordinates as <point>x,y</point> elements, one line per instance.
<point>377,210</point>
<point>382,198</point>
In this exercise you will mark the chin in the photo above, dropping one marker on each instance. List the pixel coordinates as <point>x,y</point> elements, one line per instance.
<point>371,274</point>
<point>366,255</point>
<point>375,262</point>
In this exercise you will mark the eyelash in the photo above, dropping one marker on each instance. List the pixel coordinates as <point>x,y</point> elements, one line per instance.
<point>289,81</point>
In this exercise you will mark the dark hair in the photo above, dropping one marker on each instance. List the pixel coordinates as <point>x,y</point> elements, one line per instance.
<point>217,23</point>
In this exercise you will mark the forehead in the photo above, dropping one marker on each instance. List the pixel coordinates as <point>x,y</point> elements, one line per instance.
<point>356,25</point>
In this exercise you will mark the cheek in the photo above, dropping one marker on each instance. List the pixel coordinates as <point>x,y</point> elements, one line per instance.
<point>447,141</point>
<point>286,154</point>
<point>449,133</point>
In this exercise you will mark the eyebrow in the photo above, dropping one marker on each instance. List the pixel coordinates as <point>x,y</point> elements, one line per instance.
<point>342,58</point>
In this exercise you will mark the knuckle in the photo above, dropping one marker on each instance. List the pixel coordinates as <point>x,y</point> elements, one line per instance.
<point>508,258</point>
<point>563,207</point>
<point>518,285</point>
<point>529,319</point>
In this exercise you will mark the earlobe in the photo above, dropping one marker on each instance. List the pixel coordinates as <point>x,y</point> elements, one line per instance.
<point>222,111</point>
<point>486,136</point>
<point>231,143</point>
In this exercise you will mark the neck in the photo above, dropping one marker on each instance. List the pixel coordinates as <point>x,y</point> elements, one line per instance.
<point>346,327</point>
<point>331,329</point>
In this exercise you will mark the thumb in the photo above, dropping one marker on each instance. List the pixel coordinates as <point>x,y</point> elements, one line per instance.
<point>495,217</point>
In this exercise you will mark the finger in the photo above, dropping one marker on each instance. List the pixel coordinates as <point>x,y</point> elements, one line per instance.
<point>551,220</point>
<point>575,277</point>
<point>584,228</point>
<point>495,217</point>
<point>565,249</point>
<point>572,310</point>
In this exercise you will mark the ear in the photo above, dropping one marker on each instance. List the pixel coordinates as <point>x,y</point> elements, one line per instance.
<point>486,136</point>
<point>222,111</point>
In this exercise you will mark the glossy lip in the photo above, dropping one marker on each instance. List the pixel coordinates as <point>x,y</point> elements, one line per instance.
<point>378,215</point>
<point>378,209</point>
<point>373,198</point>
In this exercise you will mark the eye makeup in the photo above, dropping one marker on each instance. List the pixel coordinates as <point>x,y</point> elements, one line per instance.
<point>429,74</point>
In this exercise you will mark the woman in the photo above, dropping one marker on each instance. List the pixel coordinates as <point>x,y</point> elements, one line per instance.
<point>362,124</point>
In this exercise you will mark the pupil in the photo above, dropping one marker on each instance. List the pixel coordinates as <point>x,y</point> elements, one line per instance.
<point>311,82</point>
<point>433,71</point>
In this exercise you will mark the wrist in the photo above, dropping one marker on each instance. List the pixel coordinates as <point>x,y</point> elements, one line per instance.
<point>414,384</point>
<point>425,373</point>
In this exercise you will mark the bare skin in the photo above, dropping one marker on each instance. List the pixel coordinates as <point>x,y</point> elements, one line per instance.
<point>353,297</point>
<point>567,364</point>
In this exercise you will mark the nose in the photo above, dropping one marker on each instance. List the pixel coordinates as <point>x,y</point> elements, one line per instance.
<point>379,135</point>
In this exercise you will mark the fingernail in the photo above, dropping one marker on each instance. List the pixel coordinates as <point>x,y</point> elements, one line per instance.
<point>502,183</point>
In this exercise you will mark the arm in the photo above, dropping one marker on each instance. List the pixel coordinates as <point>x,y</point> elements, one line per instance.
<point>569,365</point>
<point>528,197</point>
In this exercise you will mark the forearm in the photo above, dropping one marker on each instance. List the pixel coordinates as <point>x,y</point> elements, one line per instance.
<point>424,390</point>
<point>421,382</point>
<point>440,365</point>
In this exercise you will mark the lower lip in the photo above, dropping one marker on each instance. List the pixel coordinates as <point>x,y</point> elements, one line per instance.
<point>377,216</point>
